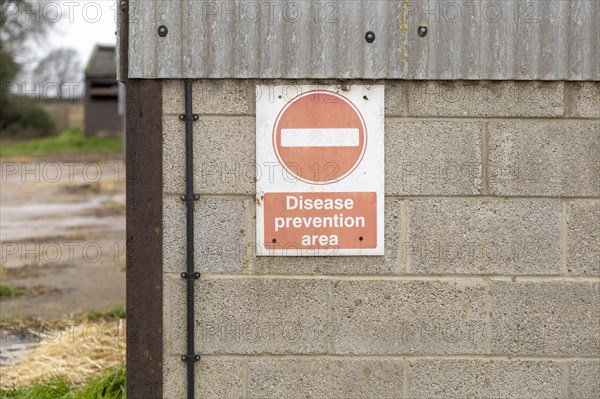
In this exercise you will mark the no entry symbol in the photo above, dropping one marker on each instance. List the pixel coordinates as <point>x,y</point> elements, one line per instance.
<point>319,137</point>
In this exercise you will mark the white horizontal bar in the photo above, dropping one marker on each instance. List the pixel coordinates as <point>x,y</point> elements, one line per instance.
<point>319,137</point>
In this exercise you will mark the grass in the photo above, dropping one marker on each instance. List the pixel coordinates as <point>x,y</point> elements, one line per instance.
<point>14,272</point>
<point>109,386</point>
<point>15,319</point>
<point>71,140</point>
<point>8,291</point>
<point>55,387</point>
<point>118,312</point>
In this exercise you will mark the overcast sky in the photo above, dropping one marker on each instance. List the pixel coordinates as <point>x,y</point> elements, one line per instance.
<point>79,25</point>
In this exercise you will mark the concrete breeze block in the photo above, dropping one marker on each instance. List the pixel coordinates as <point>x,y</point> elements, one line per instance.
<point>248,316</point>
<point>546,318</point>
<point>583,254</point>
<point>209,97</point>
<point>484,379</point>
<point>585,379</point>
<point>325,378</point>
<point>483,237</point>
<point>485,99</point>
<point>221,227</point>
<point>408,317</point>
<point>544,158</point>
<point>224,155</point>
<point>173,157</point>
<point>585,99</point>
<point>394,98</point>
<point>251,316</point>
<point>432,158</point>
<point>215,378</point>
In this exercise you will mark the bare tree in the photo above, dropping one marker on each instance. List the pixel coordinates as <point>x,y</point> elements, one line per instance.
<point>20,28</point>
<point>20,20</point>
<point>59,67</point>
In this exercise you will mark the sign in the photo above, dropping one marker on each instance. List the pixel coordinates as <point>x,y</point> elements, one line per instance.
<point>320,170</point>
<point>319,127</point>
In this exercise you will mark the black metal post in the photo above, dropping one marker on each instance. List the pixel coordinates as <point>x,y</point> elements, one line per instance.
<point>189,197</point>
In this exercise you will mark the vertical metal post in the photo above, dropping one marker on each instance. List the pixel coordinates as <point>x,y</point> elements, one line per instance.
<point>144,239</point>
<point>189,197</point>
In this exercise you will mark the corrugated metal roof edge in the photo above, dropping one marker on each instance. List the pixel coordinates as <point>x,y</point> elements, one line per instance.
<point>332,78</point>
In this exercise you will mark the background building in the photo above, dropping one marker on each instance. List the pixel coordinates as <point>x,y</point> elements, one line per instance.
<point>101,98</point>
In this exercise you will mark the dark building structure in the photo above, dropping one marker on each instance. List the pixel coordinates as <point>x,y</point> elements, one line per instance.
<point>101,100</point>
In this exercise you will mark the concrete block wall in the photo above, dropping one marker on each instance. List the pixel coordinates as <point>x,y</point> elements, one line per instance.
<point>490,285</point>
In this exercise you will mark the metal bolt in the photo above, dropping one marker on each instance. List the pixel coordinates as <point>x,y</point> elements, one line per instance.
<point>370,37</point>
<point>162,31</point>
<point>422,31</point>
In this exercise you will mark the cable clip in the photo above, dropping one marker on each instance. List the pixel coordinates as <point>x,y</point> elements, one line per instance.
<point>190,358</point>
<point>194,275</point>
<point>189,117</point>
<point>189,197</point>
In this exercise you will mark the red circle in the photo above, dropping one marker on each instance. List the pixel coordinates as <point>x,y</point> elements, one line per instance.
<point>320,109</point>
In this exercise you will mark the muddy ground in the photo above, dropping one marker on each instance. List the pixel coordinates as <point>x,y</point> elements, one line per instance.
<point>62,235</point>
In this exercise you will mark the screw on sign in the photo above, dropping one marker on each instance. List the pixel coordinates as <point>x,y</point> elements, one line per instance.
<point>319,137</point>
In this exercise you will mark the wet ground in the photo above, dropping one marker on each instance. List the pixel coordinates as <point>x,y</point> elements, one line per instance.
<point>62,236</point>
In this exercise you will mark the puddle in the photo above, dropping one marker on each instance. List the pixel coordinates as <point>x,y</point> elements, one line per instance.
<point>16,343</point>
<point>30,221</point>
<point>74,227</point>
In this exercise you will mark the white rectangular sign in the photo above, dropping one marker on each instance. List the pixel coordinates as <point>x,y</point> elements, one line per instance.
<point>320,174</point>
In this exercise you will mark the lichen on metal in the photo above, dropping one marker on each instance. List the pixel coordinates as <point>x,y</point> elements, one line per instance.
<point>463,39</point>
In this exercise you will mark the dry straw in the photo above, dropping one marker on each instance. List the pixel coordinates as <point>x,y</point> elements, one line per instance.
<point>77,351</point>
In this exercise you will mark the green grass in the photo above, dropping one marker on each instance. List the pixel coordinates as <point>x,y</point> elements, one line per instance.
<point>55,387</point>
<point>17,319</point>
<point>109,386</point>
<point>13,272</point>
<point>71,140</point>
<point>8,291</point>
<point>118,312</point>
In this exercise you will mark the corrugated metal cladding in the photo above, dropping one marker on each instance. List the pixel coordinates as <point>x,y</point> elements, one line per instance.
<point>466,39</point>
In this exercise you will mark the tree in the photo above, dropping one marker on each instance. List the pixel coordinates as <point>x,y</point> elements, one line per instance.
<point>59,67</point>
<point>21,25</point>
<point>18,25</point>
<point>21,20</point>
